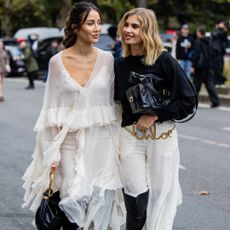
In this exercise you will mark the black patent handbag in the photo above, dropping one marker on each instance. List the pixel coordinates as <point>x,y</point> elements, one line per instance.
<point>48,215</point>
<point>146,96</point>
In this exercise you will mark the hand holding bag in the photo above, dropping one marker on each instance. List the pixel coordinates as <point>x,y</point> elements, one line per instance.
<point>49,215</point>
<point>149,95</point>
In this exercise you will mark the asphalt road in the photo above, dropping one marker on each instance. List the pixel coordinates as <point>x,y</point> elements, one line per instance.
<point>205,162</point>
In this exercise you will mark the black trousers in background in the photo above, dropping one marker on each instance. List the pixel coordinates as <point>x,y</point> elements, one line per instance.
<point>206,76</point>
<point>218,67</point>
<point>31,77</point>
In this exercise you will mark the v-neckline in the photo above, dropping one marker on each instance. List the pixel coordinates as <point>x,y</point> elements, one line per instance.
<point>72,79</point>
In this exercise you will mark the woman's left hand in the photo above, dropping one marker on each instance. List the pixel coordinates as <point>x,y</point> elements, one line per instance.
<point>146,121</point>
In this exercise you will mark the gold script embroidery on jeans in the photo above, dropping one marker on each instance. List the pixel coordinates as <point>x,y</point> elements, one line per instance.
<point>152,133</point>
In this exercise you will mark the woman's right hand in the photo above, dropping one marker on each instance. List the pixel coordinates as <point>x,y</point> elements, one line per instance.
<point>146,121</point>
<point>54,167</point>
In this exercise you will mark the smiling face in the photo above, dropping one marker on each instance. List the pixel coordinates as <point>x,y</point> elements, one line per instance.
<point>90,29</point>
<point>131,31</point>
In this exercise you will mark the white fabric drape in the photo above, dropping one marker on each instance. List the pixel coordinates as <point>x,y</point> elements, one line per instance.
<point>87,112</point>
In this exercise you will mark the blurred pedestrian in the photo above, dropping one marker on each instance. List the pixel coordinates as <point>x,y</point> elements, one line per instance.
<point>116,46</point>
<point>184,49</point>
<point>31,64</point>
<point>4,68</point>
<point>51,51</point>
<point>203,72</point>
<point>218,42</point>
<point>149,149</point>
<point>33,40</point>
<point>78,130</point>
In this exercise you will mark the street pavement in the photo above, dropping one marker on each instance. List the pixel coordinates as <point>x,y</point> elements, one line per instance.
<point>205,161</point>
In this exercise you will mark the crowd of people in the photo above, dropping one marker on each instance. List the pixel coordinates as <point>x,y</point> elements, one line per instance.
<point>202,57</point>
<point>29,48</point>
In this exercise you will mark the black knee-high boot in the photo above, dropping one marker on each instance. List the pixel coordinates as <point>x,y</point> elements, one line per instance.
<point>67,225</point>
<point>136,210</point>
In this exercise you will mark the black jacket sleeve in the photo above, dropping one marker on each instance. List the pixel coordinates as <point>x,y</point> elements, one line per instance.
<point>183,94</point>
<point>196,52</point>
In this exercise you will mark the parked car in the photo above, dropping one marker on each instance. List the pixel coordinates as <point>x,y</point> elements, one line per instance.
<point>16,57</point>
<point>105,42</point>
<point>167,40</point>
<point>42,32</point>
<point>17,63</point>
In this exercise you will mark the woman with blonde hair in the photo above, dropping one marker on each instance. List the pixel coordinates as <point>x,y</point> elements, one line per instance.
<point>148,143</point>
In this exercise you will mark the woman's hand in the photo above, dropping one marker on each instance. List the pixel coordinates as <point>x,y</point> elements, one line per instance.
<point>54,167</point>
<point>146,121</point>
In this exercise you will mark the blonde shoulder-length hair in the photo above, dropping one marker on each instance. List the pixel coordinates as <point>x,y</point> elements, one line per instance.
<point>153,45</point>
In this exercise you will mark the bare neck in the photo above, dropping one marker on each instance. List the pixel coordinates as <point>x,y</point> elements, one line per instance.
<point>137,50</point>
<point>83,48</point>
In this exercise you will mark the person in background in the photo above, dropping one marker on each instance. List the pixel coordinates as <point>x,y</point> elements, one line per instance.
<point>184,49</point>
<point>33,41</point>
<point>51,51</point>
<point>173,41</point>
<point>149,151</point>
<point>116,46</point>
<point>31,64</point>
<point>203,72</point>
<point>218,41</point>
<point>4,64</point>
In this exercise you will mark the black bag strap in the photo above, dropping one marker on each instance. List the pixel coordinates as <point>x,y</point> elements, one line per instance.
<point>196,106</point>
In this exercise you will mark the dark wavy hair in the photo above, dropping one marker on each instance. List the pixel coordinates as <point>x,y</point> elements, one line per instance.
<point>76,17</point>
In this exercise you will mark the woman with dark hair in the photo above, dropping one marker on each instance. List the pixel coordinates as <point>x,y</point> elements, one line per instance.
<point>77,129</point>
<point>149,155</point>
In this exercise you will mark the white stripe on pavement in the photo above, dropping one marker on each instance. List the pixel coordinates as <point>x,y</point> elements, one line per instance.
<point>209,142</point>
<point>226,129</point>
<point>23,80</point>
<point>182,167</point>
<point>222,108</point>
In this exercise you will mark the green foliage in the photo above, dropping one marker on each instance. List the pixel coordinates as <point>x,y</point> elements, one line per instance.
<point>197,12</point>
<point>16,14</point>
<point>115,8</point>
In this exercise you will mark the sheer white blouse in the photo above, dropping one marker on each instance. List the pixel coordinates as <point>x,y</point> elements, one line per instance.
<point>67,107</point>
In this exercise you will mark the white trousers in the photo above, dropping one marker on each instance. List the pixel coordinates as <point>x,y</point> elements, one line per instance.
<point>153,165</point>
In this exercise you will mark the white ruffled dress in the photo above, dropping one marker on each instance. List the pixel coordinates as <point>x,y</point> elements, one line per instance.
<point>93,197</point>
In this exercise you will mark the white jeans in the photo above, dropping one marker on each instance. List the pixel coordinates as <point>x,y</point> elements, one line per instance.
<point>153,165</point>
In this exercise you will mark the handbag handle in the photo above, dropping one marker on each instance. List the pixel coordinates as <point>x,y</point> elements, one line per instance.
<point>49,191</point>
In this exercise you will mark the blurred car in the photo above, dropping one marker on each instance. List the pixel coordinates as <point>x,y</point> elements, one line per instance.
<point>16,56</point>
<point>42,32</point>
<point>105,42</point>
<point>167,40</point>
